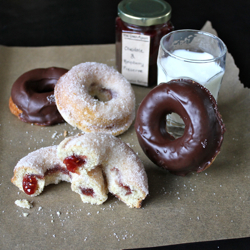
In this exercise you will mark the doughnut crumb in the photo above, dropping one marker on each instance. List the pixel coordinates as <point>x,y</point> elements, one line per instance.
<point>23,203</point>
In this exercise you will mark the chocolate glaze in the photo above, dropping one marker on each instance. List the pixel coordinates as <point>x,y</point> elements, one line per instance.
<point>204,128</point>
<point>33,93</point>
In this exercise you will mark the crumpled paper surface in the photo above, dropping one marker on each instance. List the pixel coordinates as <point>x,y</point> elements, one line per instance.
<point>214,204</point>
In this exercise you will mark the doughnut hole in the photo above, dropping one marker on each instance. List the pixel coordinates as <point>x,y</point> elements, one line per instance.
<point>45,85</point>
<point>175,125</point>
<point>98,92</point>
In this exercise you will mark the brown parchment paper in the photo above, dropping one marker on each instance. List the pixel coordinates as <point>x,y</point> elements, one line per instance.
<point>214,204</point>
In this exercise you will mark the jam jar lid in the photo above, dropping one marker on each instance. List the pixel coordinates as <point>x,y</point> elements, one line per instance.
<point>144,12</point>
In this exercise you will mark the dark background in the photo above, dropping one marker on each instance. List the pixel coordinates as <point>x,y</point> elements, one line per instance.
<point>75,22</point>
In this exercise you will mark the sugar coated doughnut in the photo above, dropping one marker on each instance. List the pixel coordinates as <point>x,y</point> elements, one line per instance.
<point>32,96</point>
<point>42,167</point>
<point>124,172</point>
<point>197,148</point>
<point>93,163</point>
<point>96,98</point>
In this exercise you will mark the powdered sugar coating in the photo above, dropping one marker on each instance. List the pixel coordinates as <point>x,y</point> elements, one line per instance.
<point>40,160</point>
<point>39,163</point>
<point>82,110</point>
<point>121,166</point>
<point>109,165</point>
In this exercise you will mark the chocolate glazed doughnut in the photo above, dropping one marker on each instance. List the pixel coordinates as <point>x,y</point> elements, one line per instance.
<point>32,96</point>
<point>197,148</point>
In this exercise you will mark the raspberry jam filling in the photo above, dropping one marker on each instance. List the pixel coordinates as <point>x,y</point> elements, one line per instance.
<point>127,188</point>
<point>73,162</point>
<point>56,169</point>
<point>30,184</point>
<point>87,191</point>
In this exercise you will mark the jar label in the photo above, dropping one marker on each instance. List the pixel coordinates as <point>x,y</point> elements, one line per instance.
<point>135,58</point>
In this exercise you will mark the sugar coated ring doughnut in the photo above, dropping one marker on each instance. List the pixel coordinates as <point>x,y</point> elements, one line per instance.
<point>93,163</point>
<point>197,148</point>
<point>42,167</point>
<point>96,98</point>
<point>32,96</point>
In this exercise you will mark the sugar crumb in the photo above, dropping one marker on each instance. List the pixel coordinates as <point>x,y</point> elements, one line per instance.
<point>54,135</point>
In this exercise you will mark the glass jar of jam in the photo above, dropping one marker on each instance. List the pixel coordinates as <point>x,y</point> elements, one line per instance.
<point>140,25</point>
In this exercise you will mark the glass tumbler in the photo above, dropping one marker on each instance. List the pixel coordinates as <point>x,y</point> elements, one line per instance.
<point>192,54</point>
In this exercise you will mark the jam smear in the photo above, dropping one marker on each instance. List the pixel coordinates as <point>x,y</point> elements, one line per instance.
<point>73,162</point>
<point>56,169</point>
<point>100,93</point>
<point>30,184</point>
<point>87,191</point>
<point>127,188</point>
